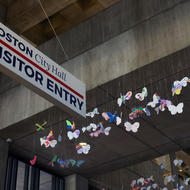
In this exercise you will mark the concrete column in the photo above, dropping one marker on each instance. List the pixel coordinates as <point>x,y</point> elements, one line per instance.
<point>76,182</point>
<point>174,169</point>
<point>4,147</point>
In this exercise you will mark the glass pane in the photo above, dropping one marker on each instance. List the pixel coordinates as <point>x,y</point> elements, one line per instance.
<point>20,176</point>
<point>45,181</point>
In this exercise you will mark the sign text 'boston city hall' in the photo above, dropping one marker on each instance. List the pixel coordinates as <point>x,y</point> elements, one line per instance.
<point>21,61</point>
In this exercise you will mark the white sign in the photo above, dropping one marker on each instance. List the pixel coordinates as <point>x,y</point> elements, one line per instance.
<point>25,63</point>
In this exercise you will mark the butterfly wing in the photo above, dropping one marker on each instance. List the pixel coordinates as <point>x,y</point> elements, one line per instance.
<point>76,134</point>
<point>128,95</point>
<point>118,120</point>
<point>139,96</point>
<point>127,126</point>
<point>54,158</point>
<point>73,162</point>
<point>83,129</point>
<point>111,117</point>
<point>135,127</point>
<point>119,102</point>
<point>180,107</point>
<point>86,149</point>
<point>80,162</point>
<point>155,101</point>
<point>105,116</point>
<point>53,143</point>
<point>96,111</point>
<point>107,130</point>
<point>183,82</point>
<point>68,123</point>
<point>70,135</point>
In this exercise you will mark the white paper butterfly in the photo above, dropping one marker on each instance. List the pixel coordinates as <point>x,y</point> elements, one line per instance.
<point>73,135</point>
<point>142,95</point>
<point>131,127</point>
<point>48,143</point>
<point>176,109</point>
<point>91,127</point>
<point>178,162</point>
<point>92,114</point>
<point>155,101</point>
<point>123,99</point>
<point>182,82</point>
<point>84,149</point>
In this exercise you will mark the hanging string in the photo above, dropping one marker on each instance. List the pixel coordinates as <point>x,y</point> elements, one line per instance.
<point>63,49</point>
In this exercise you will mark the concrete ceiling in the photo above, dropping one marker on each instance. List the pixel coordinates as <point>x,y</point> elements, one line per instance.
<point>28,19</point>
<point>158,134</point>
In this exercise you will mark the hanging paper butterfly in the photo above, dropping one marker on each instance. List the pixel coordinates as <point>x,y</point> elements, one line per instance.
<point>83,148</point>
<point>63,163</point>
<point>70,126</point>
<point>148,180</point>
<point>48,140</point>
<point>162,166</point>
<point>73,135</point>
<point>142,95</point>
<point>108,116</point>
<point>100,130</point>
<point>168,178</point>
<point>32,162</point>
<point>59,138</point>
<point>40,127</point>
<point>155,101</point>
<point>178,162</point>
<point>92,114</point>
<point>92,127</point>
<point>139,111</point>
<point>176,109</point>
<point>186,181</point>
<point>54,159</point>
<point>123,98</point>
<point>177,85</point>
<point>179,187</point>
<point>131,127</point>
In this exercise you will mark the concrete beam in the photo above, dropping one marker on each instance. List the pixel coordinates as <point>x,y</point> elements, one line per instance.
<point>3,11</point>
<point>148,41</point>
<point>22,15</point>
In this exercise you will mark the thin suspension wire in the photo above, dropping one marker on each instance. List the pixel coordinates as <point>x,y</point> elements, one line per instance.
<point>63,49</point>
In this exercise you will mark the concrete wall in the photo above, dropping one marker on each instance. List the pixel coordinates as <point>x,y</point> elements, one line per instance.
<point>152,30</point>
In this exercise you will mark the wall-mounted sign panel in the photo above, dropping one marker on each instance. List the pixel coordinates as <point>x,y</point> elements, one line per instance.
<point>21,61</point>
